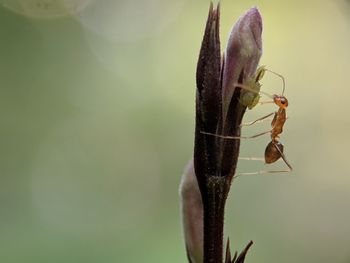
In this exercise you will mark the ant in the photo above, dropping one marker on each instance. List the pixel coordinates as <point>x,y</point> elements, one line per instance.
<point>250,97</point>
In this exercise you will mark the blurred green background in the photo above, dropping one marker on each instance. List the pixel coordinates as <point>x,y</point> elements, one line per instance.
<point>97,119</point>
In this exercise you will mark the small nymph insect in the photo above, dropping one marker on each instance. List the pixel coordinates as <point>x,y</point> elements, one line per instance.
<point>250,96</point>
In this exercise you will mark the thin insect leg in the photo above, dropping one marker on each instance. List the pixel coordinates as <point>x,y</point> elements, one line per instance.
<point>236,137</point>
<point>266,102</point>
<point>250,123</point>
<point>262,172</point>
<point>252,159</point>
<point>257,120</point>
<point>284,158</point>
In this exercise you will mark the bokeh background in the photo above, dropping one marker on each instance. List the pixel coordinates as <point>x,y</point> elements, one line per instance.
<point>97,119</point>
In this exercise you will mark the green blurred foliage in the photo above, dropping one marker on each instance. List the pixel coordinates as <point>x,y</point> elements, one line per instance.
<point>97,115</point>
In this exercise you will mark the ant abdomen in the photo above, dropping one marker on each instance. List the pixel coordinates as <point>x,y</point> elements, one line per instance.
<point>273,151</point>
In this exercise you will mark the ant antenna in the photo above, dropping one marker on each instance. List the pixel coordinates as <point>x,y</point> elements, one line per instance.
<point>279,75</point>
<point>260,91</point>
<point>252,90</point>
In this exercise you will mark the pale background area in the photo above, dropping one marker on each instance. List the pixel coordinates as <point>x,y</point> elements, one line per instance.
<point>97,119</point>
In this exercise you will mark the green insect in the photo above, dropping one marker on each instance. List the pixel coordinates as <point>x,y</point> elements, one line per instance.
<point>250,94</point>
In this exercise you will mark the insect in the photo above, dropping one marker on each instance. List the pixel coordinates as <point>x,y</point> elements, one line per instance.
<point>275,149</point>
<point>250,97</point>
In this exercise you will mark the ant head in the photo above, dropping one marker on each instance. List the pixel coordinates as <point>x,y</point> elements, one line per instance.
<point>281,101</point>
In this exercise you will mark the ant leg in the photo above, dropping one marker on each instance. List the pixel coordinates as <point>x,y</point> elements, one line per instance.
<point>236,137</point>
<point>258,120</point>
<point>284,158</point>
<point>253,122</point>
<point>263,172</point>
<point>252,159</point>
<point>265,102</point>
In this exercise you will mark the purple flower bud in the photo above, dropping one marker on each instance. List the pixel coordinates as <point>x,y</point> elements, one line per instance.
<point>243,52</point>
<point>192,214</point>
<point>241,59</point>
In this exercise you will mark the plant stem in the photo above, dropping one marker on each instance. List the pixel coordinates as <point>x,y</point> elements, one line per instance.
<point>214,211</point>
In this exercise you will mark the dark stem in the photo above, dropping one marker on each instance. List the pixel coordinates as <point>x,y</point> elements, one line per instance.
<point>214,210</point>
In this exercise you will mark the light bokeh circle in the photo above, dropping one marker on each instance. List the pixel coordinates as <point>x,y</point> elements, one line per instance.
<point>129,20</point>
<point>45,8</point>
